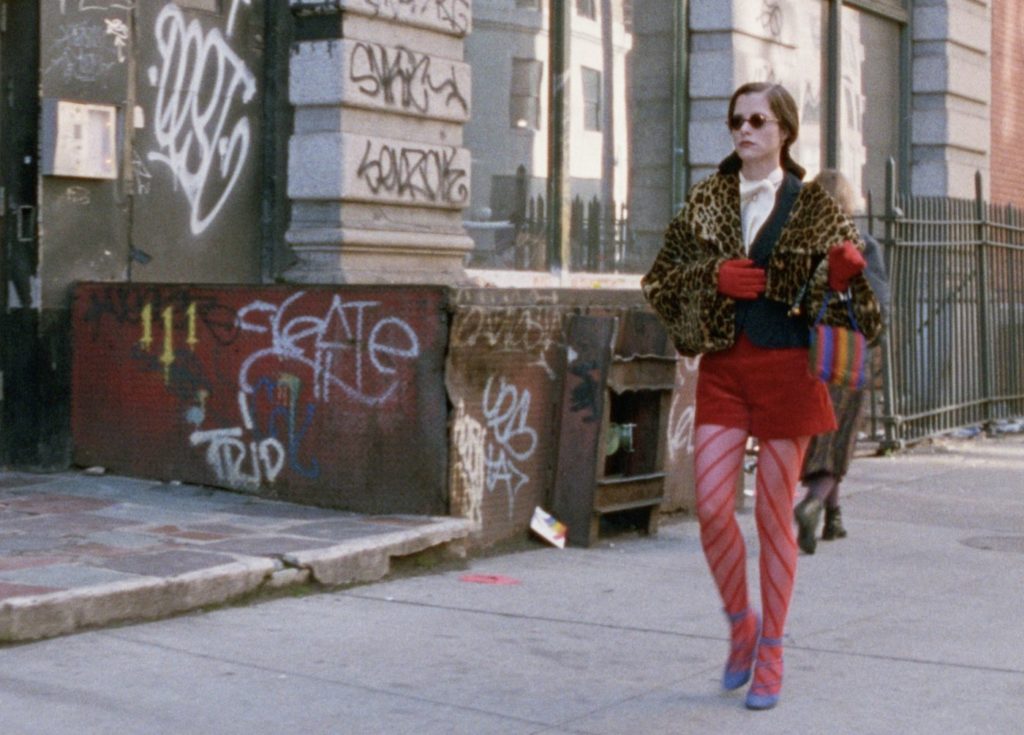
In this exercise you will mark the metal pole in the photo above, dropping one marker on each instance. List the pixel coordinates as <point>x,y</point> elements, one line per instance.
<point>906,100</point>
<point>892,440</point>
<point>680,107</point>
<point>985,351</point>
<point>605,255</point>
<point>560,22</point>
<point>833,85</point>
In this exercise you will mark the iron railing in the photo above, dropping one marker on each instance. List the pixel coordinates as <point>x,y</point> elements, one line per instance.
<point>953,352</point>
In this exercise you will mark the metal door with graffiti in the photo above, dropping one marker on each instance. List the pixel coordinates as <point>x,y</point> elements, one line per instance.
<point>183,82</point>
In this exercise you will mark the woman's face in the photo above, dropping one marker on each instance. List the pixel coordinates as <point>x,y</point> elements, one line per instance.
<point>759,148</point>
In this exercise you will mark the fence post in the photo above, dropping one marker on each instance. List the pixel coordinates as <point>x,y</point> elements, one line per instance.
<point>594,239</point>
<point>981,222</point>
<point>892,440</point>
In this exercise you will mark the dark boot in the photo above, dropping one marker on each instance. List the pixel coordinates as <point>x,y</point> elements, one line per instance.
<point>833,524</point>
<point>807,514</point>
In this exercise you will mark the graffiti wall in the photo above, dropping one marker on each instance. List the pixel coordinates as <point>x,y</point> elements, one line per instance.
<point>182,82</point>
<point>330,396</point>
<point>508,362</point>
<point>504,373</point>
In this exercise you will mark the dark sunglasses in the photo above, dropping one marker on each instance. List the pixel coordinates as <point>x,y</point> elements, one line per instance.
<point>757,121</point>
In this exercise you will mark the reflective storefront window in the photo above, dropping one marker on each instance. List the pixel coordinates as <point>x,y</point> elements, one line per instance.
<point>509,54</point>
<point>507,134</point>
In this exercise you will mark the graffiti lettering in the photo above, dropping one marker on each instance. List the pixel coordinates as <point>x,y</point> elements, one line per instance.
<point>167,315</point>
<point>77,195</point>
<point>771,17</point>
<point>682,413</point>
<point>231,16</point>
<point>81,53</point>
<point>198,82</point>
<point>341,348</point>
<point>452,15</point>
<point>401,77</point>
<point>141,175</point>
<point>468,437</point>
<point>139,306</point>
<point>117,28</point>
<point>226,454</point>
<point>413,173</point>
<point>513,440</point>
<point>282,396</point>
<point>530,331</point>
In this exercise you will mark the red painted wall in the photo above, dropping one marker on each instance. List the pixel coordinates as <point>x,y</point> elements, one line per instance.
<point>332,396</point>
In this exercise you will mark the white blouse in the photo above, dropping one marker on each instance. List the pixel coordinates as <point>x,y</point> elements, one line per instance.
<point>757,200</point>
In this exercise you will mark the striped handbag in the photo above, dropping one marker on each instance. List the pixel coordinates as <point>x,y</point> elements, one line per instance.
<point>838,355</point>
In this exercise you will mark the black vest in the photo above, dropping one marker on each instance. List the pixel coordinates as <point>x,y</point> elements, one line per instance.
<point>767,323</point>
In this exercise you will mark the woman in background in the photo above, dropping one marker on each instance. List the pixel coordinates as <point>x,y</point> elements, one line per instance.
<point>829,455</point>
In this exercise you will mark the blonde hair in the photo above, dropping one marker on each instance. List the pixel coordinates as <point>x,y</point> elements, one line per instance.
<point>839,187</point>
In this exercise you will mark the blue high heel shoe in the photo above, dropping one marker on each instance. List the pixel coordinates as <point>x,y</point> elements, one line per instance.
<point>741,652</point>
<point>764,692</point>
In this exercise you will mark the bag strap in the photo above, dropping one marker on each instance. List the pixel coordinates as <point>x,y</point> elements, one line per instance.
<point>824,306</point>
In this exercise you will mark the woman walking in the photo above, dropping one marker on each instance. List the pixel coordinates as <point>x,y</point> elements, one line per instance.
<point>736,258</point>
<point>829,455</point>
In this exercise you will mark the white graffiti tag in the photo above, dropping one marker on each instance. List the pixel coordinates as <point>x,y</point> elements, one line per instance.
<point>117,28</point>
<point>342,348</point>
<point>231,16</point>
<point>468,436</point>
<point>226,453</point>
<point>682,413</point>
<point>510,439</point>
<point>198,81</point>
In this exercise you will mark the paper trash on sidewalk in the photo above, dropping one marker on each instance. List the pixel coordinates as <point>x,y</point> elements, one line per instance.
<point>546,526</point>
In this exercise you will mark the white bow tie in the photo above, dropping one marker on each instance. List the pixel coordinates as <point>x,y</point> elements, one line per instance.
<point>751,191</point>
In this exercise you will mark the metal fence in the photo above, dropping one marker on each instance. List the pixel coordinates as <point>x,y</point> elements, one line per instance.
<point>599,239</point>
<point>954,351</point>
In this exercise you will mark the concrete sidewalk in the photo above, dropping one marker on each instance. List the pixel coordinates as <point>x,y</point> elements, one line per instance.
<point>911,625</point>
<point>79,550</point>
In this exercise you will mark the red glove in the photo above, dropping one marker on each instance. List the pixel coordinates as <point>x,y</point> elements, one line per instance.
<point>844,263</point>
<point>740,279</point>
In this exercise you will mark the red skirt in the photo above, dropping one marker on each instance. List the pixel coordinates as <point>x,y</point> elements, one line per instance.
<point>767,392</point>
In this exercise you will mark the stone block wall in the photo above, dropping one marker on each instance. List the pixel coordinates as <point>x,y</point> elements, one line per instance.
<point>377,173</point>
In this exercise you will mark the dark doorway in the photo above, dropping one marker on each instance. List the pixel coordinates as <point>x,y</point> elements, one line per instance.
<point>22,386</point>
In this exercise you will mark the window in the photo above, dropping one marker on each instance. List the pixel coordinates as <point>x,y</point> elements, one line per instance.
<point>545,195</point>
<point>586,8</point>
<point>524,100</point>
<point>591,82</point>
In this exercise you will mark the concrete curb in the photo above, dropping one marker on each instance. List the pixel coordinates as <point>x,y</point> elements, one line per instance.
<point>365,559</point>
<point>369,559</point>
<point>58,613</point>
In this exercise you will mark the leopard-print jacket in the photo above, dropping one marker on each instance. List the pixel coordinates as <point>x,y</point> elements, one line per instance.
<point>682,285</point>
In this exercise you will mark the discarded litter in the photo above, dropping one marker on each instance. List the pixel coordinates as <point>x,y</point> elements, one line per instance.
<point>548,527</point>
<point>488,579</point>
<point>967,432</point>
<point>1007,426</point>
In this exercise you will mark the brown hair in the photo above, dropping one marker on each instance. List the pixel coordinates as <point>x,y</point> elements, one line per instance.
<point>833,181</point>
<point>783,106</point>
